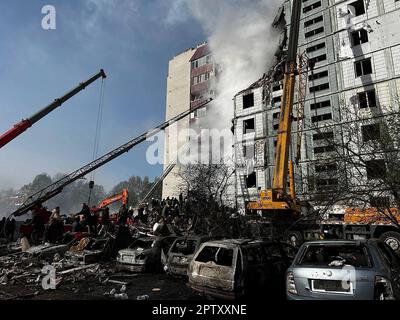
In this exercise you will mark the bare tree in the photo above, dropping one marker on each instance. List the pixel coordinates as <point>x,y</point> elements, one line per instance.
<point>206,188</point>
<point>361,166</point>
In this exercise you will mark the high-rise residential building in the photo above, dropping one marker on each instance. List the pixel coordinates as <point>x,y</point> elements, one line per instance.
<point>188,86</point>
<point>355,49</point>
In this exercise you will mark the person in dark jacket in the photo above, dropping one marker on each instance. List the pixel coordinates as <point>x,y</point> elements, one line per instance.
<point>10,229</point>
<point>77,226</point>
<point>122,215</point>
<point>38,228</point>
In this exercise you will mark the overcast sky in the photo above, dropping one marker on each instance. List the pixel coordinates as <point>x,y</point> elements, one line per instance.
<point>133,40</point>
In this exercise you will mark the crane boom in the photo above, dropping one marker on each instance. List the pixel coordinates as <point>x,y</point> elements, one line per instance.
<point>276,199</point>
<point>57,187</point>
<point>27,123</point>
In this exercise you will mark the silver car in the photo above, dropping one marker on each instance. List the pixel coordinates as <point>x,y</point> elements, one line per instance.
<point>344,270</point>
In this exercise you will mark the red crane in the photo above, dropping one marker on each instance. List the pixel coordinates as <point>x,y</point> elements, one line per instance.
<point>27,123</point>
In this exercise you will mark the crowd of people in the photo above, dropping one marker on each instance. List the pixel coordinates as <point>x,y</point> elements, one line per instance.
<point>47,226</point>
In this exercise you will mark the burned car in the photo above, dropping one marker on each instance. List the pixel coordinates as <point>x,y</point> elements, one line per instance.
<point>181,253</point>
<point>231,269</point>
<point>88,251</point>
<point>145,254</point>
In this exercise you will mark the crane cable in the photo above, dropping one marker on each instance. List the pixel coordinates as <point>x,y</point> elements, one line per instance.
<point>97,136</point>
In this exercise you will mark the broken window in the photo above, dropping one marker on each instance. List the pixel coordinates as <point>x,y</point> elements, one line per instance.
<point>318,150</point>
<point>276,100</point>
<point>380,202</point>
<point>313,21</point>
<point>331,167</point>
<point>319,105</point>
<point>323,136</point>
<point>314,32</point>
<point>363,67</point>
<point>371,132</point>
<point>356,8</point>
<point>320,87</point>
<point>367,99</point>
<point>277,87</point>
<point>248,100</point>
<point>218,255</point>
<point>327,183</point>
<point>322,117</point>
<point>317,59</point>
<point>249,126</point>
<point>251,180</point>
<point>316,47</point>
<point>312,7</point>
<point>318,75</point>
<point>359,37</point>
<point>249,152</point>
<point>375,169</point>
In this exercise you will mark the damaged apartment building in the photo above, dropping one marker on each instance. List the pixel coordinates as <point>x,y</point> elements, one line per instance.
<point>354,48</point>
<point>188,85</point>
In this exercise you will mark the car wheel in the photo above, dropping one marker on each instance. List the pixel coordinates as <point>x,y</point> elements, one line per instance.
<point>392,239</point>
<point>295,238</point>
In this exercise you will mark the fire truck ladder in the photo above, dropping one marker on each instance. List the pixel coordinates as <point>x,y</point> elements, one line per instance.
<point>157,183</point>
<point>57,187</point>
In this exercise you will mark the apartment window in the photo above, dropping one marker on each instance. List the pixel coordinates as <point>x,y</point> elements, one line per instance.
<point>277,99</point>
<point>251,180</point>
<point>318,75</point>
<point>197,79</point>
<point>319,105</point>
<point>195,64</point>
<point>208,59</point>
<point>277,87</point>
<point>207,76</point>
<point>379,202</point>
<point>375,168</point>
<point>318,150</point>
<point>326,183</point>
<point>316,47</point>
<point>313,21</point>
<point>323,136</point>
<point>249,152</point>
<point>326,168</point>
<point>249,126</point>
<point>314,32</point>
<point>371,132</point>
<point>367,99</point>
<point>312,7</point>
<point>248,100</point>
<point>363,67</point>
<point>359,37</point>
<point>322,117</point>
<point>320,87</point>
<point>356,8</point>
<point>318,59</point>
<point>276,126</point>
<point>276,115</point>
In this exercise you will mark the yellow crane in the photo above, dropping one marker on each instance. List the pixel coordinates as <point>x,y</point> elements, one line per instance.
<point>277,201</point>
